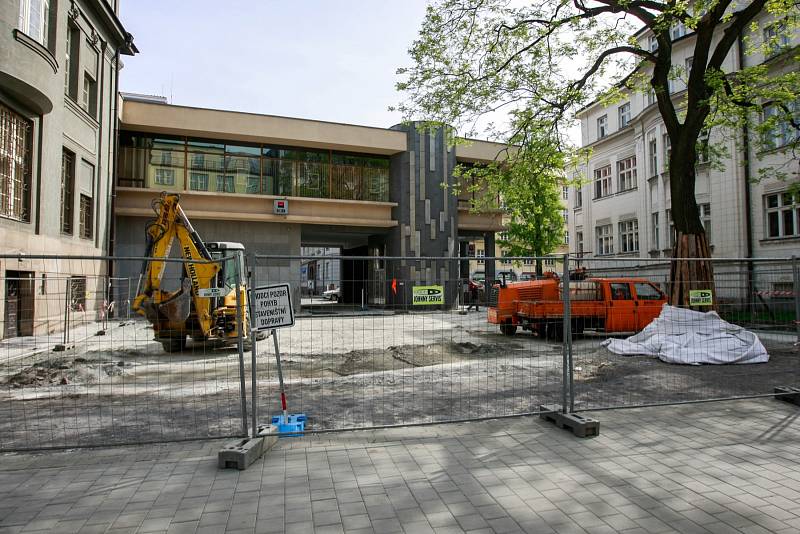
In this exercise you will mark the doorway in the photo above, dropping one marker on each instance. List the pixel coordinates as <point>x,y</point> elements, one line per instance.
<point>19,304</point>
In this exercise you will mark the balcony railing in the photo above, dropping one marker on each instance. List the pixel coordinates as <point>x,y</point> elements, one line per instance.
<point>168,170</point>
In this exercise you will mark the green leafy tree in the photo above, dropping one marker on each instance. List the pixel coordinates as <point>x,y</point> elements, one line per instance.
<point>528,184</point>
<point>521,70</point>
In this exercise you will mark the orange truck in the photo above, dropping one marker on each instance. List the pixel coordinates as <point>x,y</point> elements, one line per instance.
<point>610,305</point>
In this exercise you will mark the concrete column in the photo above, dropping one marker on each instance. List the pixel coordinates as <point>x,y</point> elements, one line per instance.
<point>489,252</point>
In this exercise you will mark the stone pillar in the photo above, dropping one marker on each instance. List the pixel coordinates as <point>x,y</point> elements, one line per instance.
<point>427,215</point>
<point>489,252</point>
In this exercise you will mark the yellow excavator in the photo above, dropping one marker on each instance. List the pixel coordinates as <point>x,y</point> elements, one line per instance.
<point>204,306</point>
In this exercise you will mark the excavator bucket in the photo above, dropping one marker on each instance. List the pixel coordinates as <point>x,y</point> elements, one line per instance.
<point>174,309</point>
<point>177,307</point>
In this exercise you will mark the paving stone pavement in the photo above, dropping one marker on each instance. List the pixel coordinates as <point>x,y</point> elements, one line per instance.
<point>708,468</point>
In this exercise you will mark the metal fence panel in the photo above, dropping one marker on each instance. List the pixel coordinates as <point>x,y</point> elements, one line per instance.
<point>757,295</point>
<point>378,341</point>
<point>79,368</point>
<point>363,354</point>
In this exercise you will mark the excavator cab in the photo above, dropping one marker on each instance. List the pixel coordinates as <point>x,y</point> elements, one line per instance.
<point>227,275</point>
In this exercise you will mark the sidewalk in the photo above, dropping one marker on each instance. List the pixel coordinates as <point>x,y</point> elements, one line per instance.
<point>721,468</point>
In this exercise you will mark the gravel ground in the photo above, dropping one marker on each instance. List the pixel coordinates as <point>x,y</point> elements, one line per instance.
<point>343,372</point>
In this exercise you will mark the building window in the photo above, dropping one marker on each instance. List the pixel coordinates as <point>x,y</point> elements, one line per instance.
<point>626,174</point>
<point>72,62</point>
<point>578,197</point>
<point>776,39</point>
<point>198,181</point>
<point>89,95</point>
<point>225,183</point>
<point>165,177</point>
<point>703,154</point>
<point>479,253</point>
<point>605,240</point>
<point>602,126</point>
<point>565,192</point>
<point>667,148</point>
<point>34,19</point>
<point>652,155</point>
<point>778,131</point>
<point>651,97</point>
<point>705,218</point>
<point>565,215</point>
<point>579,239</point>
<point>77,293</point>
<point>87,89</point>
<point>67,190</point>
<point>629,236</point>
<point>624,112</point>
<point>504,261</point>
<point>89,92</point>
<point>86,201</point>
<point>671,230</point>
<point>602,182</point>
<point>782,212</point>
<point>652,43</point>
<point>678,31</point>
<point>86,219</point>
<point>566,238</point>
<point>654,219</point>
<point>15,165</point>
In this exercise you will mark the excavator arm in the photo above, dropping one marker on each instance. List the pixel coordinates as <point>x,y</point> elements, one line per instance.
<point>169,311</point>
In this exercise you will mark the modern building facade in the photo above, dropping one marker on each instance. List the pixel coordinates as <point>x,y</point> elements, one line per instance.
<point>367,191</point>
<point>59,61</point>
<point>622,206</point>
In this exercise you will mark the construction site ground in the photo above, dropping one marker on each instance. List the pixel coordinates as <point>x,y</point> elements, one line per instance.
<point>342,372</point>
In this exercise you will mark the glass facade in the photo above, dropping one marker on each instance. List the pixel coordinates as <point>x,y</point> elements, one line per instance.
<point>178,164</point>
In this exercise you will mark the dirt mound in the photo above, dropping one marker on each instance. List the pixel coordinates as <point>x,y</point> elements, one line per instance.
<point>392,358</point>
<point>64,372</point>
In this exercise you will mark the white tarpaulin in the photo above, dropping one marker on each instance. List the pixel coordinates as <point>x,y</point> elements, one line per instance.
<point>689,337</point>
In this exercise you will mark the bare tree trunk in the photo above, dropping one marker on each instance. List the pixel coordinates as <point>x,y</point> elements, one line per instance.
<point>691,266</point>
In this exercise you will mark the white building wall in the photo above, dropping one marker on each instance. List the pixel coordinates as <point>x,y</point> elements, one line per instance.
<point>721,191</point>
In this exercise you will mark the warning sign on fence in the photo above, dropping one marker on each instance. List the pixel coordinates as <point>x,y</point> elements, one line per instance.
<point>272,307</point>
<point>427,295</point>
<point>700,297</point>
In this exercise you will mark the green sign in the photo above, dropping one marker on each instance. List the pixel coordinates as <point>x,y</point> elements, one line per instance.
<point>700,297</point>
<point>427,295</point>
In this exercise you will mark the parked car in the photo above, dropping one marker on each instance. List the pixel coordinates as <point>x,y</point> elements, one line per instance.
<point>334,294</point>
<point>480,276</point>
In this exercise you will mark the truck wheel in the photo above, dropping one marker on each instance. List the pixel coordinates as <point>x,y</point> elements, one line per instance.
<point>174,344</point>
<point>577,326</point>
<point>508,329</point>
<point>554,331</point>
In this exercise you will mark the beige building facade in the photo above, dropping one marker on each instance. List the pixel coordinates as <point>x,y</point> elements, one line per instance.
<point>365,191</point>
<point>58,83</point>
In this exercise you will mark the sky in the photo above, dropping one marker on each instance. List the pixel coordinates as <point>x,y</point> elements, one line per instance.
<point>332,60</point>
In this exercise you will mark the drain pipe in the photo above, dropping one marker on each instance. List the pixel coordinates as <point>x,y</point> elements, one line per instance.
<point>748,216</point>
<point>115,163</point>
